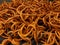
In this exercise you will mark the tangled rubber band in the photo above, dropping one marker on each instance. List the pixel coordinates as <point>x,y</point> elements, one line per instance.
<point>28,20</point>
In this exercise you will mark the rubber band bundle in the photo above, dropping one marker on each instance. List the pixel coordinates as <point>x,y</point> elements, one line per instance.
<point>25,20</point>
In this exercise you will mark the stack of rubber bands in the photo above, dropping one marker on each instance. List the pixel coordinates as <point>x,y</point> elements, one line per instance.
<point>25,20</point>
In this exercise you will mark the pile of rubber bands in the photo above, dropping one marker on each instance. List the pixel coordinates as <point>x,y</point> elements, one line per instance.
<point>30,19</point>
